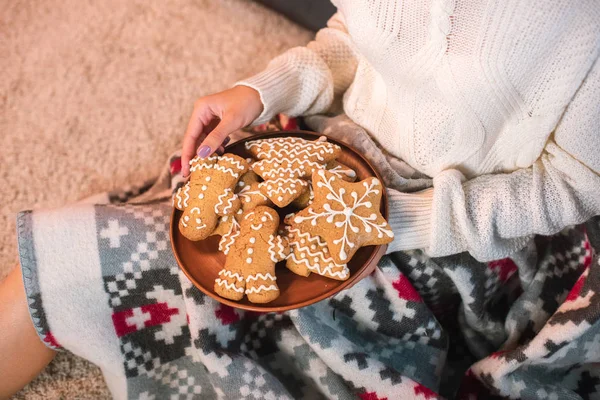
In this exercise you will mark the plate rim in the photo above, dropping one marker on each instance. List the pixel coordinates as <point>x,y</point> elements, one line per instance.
<point>377,253</point>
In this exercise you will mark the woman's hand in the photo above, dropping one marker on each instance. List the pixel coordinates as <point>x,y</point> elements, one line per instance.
<point>214,118</point>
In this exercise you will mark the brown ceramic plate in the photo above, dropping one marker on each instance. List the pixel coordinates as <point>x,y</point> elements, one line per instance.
<point>201,261</point>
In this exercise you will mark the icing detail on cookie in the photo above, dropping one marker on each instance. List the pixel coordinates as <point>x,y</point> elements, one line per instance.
<point>258,276</point>
<point>291,148</point>
<point>280,186</point>
<point>260,288</point>
<point>256,227</point>
<point>233,161</point>
<point>347,212</point>
<point>276,249</point>
<point>246,193</point>
<point>183,201</point>
<point>290,169</point>
<point>322,263</point>
<point>228,286</point>
<point>184,220</point>
<point>338,170</point>
<point>229,238</point>
<point>229,274</point>
<point>226,199</point>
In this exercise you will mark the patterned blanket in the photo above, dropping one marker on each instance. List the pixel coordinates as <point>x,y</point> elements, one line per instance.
<point>103,283</point>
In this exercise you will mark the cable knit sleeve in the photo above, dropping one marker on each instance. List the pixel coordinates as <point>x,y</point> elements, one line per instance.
<point>306,80</point>
<point>492,216</point>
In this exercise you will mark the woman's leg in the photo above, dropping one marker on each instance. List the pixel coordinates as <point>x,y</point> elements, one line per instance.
<point>22,353</point>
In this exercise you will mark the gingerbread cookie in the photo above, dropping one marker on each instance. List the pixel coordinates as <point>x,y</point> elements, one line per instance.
<point>250,265</point>
<point>228,228</point>
<point>248,190</point>
<point>311,254</point>
<point>286,163</point>
<point>345,214</point>
<point>304,199</point>
<point>208,194</point>
<point>341,171</point>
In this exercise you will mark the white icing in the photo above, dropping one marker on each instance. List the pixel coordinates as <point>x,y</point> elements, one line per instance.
<point>186,193</point>
<point>338,170</point>
<point>252,240</point>
<point>258,276</point>
<point>233,161</point>
<point>291,148</point>
<point>184,221</point>
<point>228,286</point>
<point>249,260</point>
<point>276,249</point>
<point>322,264</point>
<point>229,274</point>
<point>256,227</point>
<point>226,199</point>
<point>248,192</point>
<point>261,288</point>
<point>228,239</point>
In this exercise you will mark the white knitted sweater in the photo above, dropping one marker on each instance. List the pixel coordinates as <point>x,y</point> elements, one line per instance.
<point>503,93</point>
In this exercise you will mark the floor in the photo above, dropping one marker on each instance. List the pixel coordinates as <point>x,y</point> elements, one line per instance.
<point>95,95</point>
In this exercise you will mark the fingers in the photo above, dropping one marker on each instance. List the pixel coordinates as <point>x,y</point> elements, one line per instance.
<point>192,134</point>
<point>217,137</point>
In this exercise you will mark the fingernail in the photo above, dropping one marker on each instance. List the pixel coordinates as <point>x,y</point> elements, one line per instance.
<point>204,151</point>
<point>227,140</point>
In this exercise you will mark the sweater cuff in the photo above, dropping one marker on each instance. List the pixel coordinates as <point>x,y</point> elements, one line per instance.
<point>276,86</point>
<point>410,219</point>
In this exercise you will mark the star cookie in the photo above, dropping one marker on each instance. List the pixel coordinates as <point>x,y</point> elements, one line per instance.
<point>345,214</point>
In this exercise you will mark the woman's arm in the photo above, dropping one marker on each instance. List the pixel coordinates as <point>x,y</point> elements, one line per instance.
<point>494,215</point>
<point>303,80</point>
<point>306,80</point>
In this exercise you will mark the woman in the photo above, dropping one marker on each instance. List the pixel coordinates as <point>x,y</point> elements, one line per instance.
<point>483,120</point>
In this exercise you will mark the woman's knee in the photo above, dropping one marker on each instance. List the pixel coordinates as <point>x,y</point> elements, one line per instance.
<point>24,355</point>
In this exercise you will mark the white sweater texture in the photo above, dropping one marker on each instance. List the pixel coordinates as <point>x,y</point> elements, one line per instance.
<point>497,101</point>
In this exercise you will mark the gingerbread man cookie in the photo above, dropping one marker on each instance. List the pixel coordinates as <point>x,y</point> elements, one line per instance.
<point>250,265</point>
<point>208,194</point>
<point>345,214</point>
<point>286,163</point>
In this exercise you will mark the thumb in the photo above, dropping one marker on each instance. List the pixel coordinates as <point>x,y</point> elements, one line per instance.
<point>215,138</point>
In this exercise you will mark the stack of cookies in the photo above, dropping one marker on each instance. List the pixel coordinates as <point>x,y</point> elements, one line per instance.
<point>236,198</point>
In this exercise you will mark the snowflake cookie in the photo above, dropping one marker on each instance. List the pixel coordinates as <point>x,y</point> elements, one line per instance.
<point>285,164</point>
<point>345,214</point>
<point>250,265</point>
<point>208,194</point>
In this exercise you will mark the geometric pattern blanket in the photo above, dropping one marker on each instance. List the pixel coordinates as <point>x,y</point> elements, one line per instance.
<point>102,283</point>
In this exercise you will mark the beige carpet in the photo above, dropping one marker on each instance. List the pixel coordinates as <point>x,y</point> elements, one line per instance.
<point>96,94</point>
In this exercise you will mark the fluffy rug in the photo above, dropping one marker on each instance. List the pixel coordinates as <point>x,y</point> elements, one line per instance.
<point>94,95</point>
